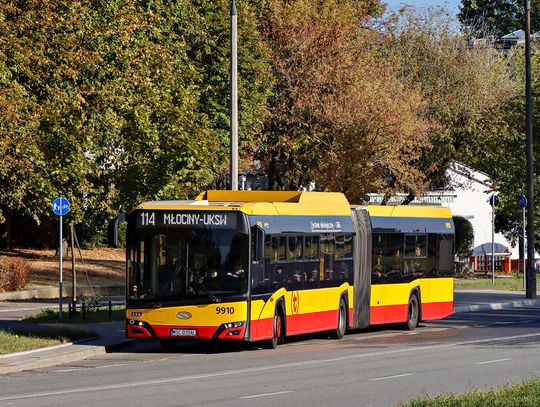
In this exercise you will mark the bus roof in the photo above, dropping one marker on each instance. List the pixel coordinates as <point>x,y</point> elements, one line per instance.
<point>262,203</point>
<point>409,211</point>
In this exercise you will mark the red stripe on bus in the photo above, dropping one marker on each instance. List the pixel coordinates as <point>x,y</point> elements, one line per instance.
<point>437,310</point>
<point>298,324</point>
<point>398,313</point>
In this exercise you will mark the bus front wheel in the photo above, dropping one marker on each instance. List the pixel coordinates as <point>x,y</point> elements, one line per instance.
<point>413,312</point>
<point>277,331</point>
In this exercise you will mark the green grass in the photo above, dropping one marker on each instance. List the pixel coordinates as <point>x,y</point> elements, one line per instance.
<point>19,341</point>
<point>526,394</point>
<point>511,283</point>
<point>92,314</point>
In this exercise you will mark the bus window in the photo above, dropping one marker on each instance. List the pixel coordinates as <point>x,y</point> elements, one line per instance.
<point>295,248</point>
<point>311,250</point>
<point>343,247</point>
<point>445,259</point>
<point>393,256</point>
<point>415,255</point>
<point>328,250</point>
<point>377,275</point>
<point>278,248</point>
<point>311,261</point>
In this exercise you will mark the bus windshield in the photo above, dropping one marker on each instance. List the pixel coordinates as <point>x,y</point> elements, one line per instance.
<point>182,265</point>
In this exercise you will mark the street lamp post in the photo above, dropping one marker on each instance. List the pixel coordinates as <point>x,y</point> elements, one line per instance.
<point>530,291</point>
<point>234,100</point>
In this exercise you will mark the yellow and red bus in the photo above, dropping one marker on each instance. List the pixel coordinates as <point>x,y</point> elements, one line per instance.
<point>263,265</point>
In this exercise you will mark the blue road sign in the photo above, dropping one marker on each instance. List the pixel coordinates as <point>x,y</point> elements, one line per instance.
<point>522,201</point>
<point>61,206</point>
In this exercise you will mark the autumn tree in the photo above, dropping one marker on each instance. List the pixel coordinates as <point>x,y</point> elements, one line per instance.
<point>468,91</point>
<point>340,117</point>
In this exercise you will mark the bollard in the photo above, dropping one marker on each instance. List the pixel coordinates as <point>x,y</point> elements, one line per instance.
<point>69,311</point>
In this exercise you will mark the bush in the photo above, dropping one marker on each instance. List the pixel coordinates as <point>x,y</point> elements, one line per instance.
<point>14,273</point>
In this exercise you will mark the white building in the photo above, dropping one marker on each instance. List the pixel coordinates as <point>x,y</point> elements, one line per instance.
<point>468,195</point>
<point>473,190</point>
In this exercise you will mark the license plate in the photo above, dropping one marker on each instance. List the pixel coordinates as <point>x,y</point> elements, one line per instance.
<point>183,332</point>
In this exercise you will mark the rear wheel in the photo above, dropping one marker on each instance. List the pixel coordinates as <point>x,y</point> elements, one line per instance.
<point>413,313</point>
<point>342,320</point>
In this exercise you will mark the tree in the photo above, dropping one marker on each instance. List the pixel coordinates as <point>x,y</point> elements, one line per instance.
<point>339,115</point>
<point>110,103</point>
<point>464,237</point>
<point>469,92</point>
<point>496,17</point>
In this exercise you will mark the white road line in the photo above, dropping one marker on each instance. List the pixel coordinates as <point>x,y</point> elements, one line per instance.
<point>115,365</point>
<point>266,394</point>
<point>264,368</point>
<point>67,370</point>
<point>493,361</point>
<point>391,377</point>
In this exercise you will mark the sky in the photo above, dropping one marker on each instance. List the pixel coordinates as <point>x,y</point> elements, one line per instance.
<point>451,5</point>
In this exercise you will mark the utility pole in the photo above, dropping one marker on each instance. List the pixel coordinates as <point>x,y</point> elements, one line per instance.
<point>234,100</point>
<point>530,291</point>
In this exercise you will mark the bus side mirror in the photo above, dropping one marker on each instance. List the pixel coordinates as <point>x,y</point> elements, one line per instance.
<point>258,236</point>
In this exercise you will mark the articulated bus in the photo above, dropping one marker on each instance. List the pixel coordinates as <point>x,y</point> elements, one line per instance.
<point>258,266</point>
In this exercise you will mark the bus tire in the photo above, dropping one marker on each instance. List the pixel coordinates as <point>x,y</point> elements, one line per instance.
<point>278,336</point>
<point>413,312</point>
<point>168,344</point>
<point>341,321</point>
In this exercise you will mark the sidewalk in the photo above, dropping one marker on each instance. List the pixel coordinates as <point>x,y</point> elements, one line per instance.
<point>112,336</point>
<point>471,300</point>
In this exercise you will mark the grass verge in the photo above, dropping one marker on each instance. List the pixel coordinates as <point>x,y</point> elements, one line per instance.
<point>526,394</point>
<point>511,283</point>
<point>92,314</point>
<point>19,341</point>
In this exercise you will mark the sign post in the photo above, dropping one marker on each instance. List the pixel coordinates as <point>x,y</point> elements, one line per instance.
<point>522,203</point>
<point>60,207</point>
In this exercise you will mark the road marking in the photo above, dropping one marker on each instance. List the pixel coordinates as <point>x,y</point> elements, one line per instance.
<point>266,394</point>
<point>493,361</point>
<point>264,368</point>
<point>67,370</point>
<point>391,377</point>
<point>114,365</point>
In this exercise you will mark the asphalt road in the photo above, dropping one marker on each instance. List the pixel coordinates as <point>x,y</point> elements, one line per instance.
<point>378,367</point>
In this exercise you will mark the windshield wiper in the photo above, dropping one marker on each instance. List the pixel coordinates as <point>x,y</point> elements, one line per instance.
<point>198,284</point>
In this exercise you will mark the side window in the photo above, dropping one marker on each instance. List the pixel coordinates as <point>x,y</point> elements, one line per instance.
<point>377,258</point>
<point>328,251</point>
<point>415,257</point>
<point>415,246</point>
<point>295,248</point>
<point>311,249</point>
<point>311,261</point>
<point>445,261</point>
<point>393,258</point>
<point>278,249</point>
<point>344,247</point>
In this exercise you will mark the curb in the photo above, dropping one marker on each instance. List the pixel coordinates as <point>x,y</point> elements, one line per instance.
<point>71,352</point>
<point>495,306</point>
<point>48,293</point>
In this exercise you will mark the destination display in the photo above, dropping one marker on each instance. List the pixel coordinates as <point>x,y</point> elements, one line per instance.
<point>213,220</point>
